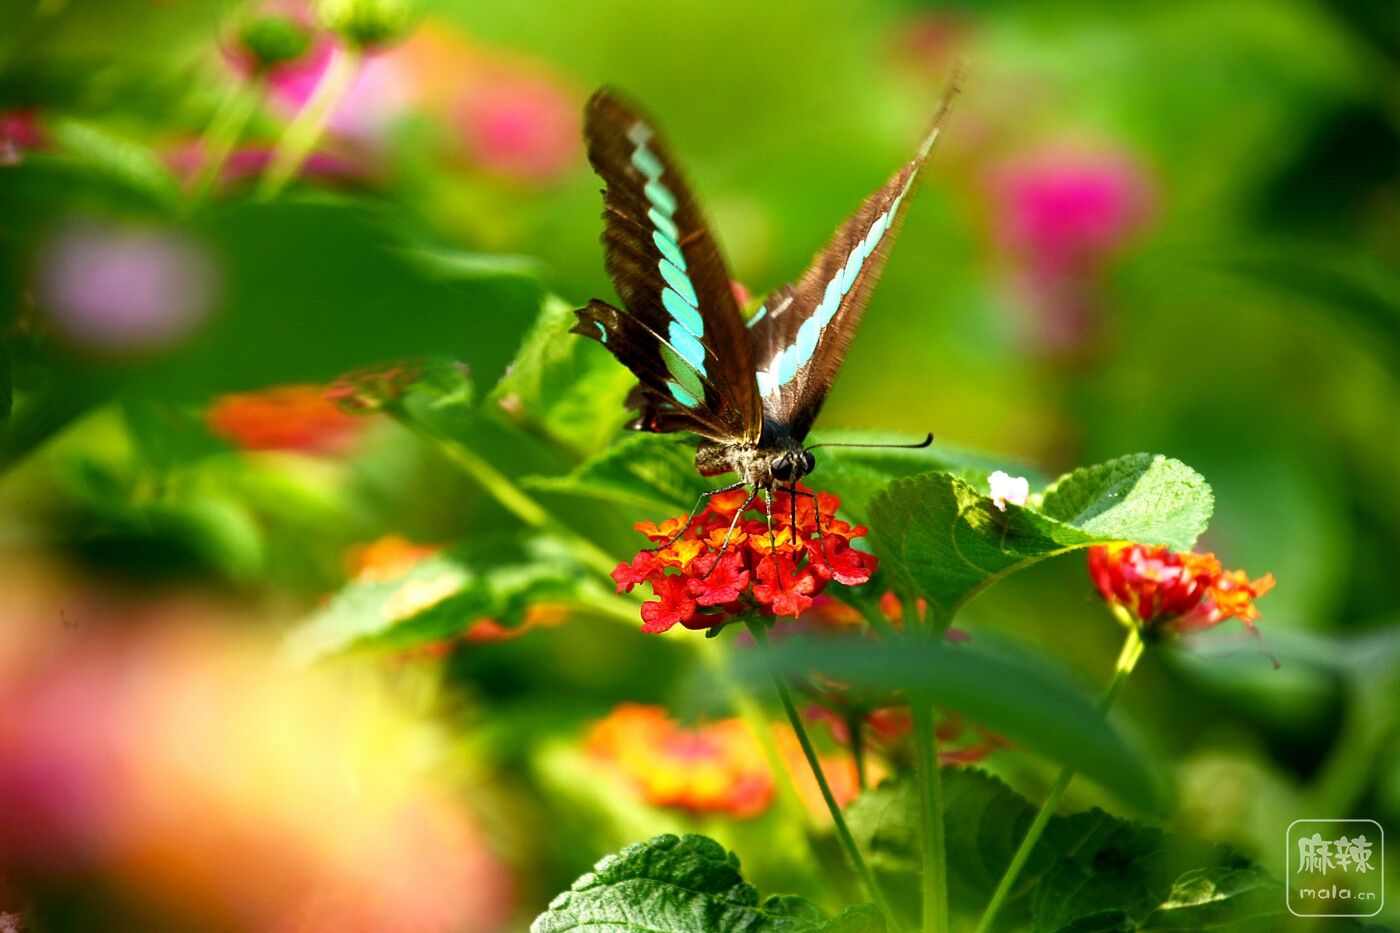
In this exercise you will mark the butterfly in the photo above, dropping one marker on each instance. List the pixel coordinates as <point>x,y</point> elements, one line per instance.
<point>749,389</point>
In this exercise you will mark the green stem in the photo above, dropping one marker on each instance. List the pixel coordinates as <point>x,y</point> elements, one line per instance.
<point>304,132</point>
<point>754,717</point>
<point>511,496</point>
<point>225,130</point>
<point>855,727</point>
<point>843,832</point>
<point>1127,660</point>
<point>935,861</point>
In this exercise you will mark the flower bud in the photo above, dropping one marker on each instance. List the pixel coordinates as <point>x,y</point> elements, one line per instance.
<point>365,23</point>
<point>267,42</point>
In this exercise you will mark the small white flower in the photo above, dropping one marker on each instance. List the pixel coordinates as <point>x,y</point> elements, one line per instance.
<point>1006,488</point>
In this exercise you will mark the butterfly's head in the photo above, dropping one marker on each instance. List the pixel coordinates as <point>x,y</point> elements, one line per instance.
<point>791,465</point>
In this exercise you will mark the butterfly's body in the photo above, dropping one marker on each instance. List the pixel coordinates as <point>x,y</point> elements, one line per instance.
<point>749,389</point>
<point>778,459</point>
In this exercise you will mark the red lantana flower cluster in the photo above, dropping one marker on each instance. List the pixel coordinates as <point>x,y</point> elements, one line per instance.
<point>701,581</point>
<point>1174,593</point>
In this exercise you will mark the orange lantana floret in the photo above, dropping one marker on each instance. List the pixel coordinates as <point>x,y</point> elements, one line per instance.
<point>1174,592</point>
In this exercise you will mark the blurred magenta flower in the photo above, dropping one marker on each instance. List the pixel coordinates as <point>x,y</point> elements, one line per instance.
<point>1060,215</point>
<point>509,117</point>
<point>518,124</point>
<point>512,117</point>
<point>380,92</point>
<point>19,132</point>
<point>124,289</point>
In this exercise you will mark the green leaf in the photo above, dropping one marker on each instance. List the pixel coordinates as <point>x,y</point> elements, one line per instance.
<point>120,160</point>
<point>857,475</point>
<point>1091,872</point>
<point>685,884</point>
<point>651,471</point>
<point>167,435</point>
<point>440,396</point>
<point>1047,711</point>
<point>946,541</point>
<point>441,595</point>
<point>1140,497</point>
<point>562,388</point>
<point>863,919</point>
<point>1097,862</point>
<point>1219,897</point>
<point>1105,921</point>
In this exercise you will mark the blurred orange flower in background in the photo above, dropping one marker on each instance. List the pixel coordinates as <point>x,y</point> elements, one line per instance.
<point>207,786</point>
<point>296,418</point>
<point>386,558</point>
<point>717,767</point>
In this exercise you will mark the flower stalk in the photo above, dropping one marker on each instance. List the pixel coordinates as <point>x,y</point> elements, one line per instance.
<point>304,132</point>
<point>934,872</point>
<point>1128,657</point>
<point>843,831</point>
<point>224,131</point>
<point>855,727</point>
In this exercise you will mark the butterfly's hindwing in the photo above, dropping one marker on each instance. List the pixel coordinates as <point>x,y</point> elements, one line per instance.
<point>681,332</point>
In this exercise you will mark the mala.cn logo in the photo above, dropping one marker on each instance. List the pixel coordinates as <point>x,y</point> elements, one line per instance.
<point>1335,868</point>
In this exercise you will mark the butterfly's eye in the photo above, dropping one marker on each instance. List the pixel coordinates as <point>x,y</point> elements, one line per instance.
<point>782,469</point>
<point>809,462</point>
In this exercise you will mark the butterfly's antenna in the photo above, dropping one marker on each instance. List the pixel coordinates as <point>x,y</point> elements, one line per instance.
<point>944,108</point>
<point>919,446</point>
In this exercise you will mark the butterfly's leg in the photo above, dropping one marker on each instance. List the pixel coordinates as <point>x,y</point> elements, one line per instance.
<point>772,540</point>
<point>792,500</point>
<point>693,512</point>
<point>816,510</point>
<point>730,533</point>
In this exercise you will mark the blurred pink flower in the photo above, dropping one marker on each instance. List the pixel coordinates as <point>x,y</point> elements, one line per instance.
<point>518,124</point>
<point>381,91</point>
<point>1060,215</point>
<point>513,119</point>
<point>118,289</point>
<point>19,131</point>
